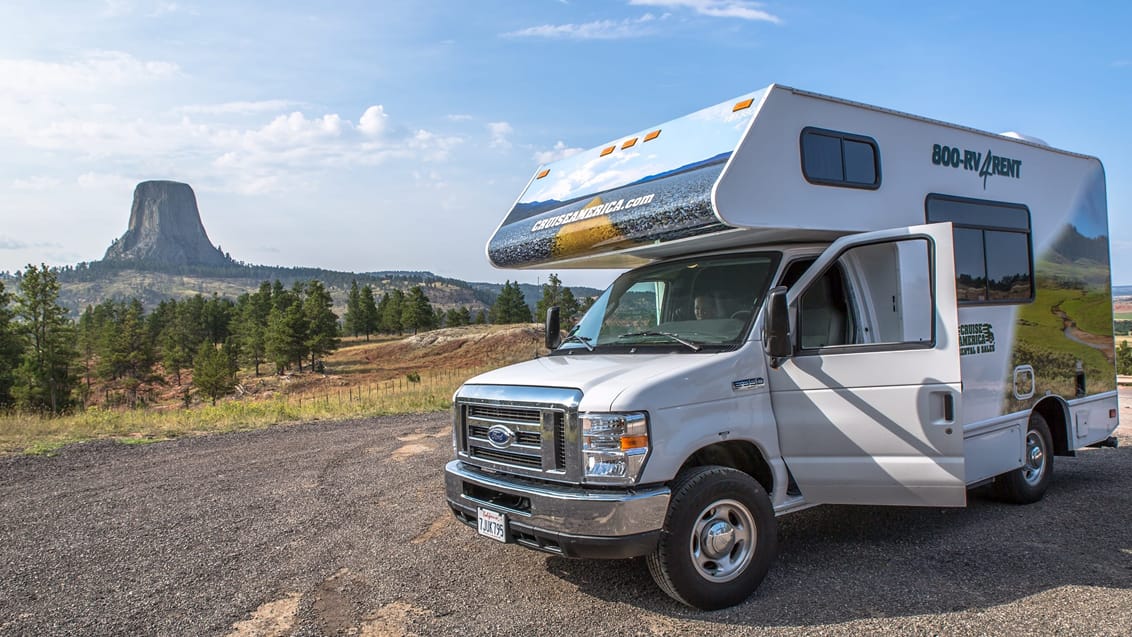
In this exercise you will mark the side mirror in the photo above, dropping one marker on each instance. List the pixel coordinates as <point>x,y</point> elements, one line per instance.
<point>776,326</point>
<point>553,328</point>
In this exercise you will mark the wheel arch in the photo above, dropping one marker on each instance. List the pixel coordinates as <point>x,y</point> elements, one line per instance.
<point>1056,413</point>
<point>742,455</point>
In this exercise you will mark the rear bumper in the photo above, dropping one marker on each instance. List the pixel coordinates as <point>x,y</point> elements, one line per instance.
<point>565,520</point>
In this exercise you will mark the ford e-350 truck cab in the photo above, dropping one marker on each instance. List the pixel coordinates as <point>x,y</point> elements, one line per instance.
<point>828,302</point>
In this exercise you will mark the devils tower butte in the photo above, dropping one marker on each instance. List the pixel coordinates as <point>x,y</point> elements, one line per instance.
<point>165,229</point>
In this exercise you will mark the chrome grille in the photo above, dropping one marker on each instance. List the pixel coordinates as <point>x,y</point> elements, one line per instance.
<point>506,458</point>
<point>541,429</point>
<point>512,414</point>
<point>560,440</point>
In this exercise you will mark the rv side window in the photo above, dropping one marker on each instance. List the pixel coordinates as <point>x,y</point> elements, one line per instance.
<point>993,252</point>
<point>830,158</point>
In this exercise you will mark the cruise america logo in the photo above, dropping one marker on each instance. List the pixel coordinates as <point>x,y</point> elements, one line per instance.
<point>985,164</point>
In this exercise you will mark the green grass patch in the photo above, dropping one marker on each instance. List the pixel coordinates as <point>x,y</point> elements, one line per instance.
<point>39,434</point>
<point>1091,310</point>
<point>45,447</point>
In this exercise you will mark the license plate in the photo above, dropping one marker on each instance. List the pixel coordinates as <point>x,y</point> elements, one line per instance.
<point>492,524</point>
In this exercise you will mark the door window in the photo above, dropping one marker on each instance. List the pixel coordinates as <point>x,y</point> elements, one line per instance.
<point>877,295</point>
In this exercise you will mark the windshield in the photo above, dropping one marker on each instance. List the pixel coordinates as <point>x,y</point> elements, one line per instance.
<point>687,305</point>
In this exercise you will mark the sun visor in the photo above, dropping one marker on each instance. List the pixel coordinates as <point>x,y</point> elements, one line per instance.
<point>645,189</point>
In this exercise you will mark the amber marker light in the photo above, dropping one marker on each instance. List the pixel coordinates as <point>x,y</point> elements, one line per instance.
<point>543,173</point>
<point>608,149</point>
<point>743,104</point>
<point>634,442</point>
<point>629,143</point>
<point>653,135</point>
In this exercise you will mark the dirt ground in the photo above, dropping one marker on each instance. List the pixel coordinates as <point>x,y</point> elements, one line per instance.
<point>341,528</point>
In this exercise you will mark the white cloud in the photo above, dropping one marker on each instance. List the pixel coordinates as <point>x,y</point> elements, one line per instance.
<point>8,243</point>
<point>374,120</point>
<point>598,30</point>
<point>36,183</point>
<point>76,108</point>
<point>742,9</point>
<point>559,151</point>
<point>96,70</point>
<point>295,129</point>
<point>236,108</point>
<point>499,132</point>
<point>459,117</point>
<point>11,243</point>
<point>106,181</point>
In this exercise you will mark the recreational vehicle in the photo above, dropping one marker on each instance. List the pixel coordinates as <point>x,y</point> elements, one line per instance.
<point>825,302</point>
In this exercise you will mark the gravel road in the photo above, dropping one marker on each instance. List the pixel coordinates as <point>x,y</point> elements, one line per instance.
<point>341,528</point>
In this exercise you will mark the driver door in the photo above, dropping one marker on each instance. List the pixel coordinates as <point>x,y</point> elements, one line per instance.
<point>866,406</point>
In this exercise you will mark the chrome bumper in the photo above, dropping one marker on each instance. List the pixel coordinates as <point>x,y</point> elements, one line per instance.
<point>572,521</point>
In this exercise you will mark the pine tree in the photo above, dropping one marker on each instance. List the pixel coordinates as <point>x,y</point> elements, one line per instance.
<point>321,322</point>
<point>382,310</point>
<point>10,347</point>
<point>251,326</point>
<point>217,318</point>
<point>286,337</point>
<point>391,319</point>
<point>369,312</point>
<point>354,320</point>
<point>568,307</point>
<point>551,296</point>
<point>510,306</point>
<point>87,345</point>
<point>44,379</point>
<point>416,312</point>
<point>133,348</point>
<point>181,335</point>
<point>212,372</point>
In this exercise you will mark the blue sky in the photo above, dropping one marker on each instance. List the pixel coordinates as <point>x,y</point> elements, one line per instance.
<point>395,135</point>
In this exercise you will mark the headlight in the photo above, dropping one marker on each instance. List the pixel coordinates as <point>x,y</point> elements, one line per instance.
<point>614,446</point>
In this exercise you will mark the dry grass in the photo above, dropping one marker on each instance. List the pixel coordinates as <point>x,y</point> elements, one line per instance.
<point>362,380</point>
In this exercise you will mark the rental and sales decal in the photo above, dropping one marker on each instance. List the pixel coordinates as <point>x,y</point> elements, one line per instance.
<point>976,338</point>
<point>985,164</point>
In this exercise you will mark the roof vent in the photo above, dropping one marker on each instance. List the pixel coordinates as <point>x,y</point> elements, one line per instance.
<point>1025,138</point>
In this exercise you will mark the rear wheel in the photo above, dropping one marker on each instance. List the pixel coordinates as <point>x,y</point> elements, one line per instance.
<point>719,538</point>
<point>1028,483</point>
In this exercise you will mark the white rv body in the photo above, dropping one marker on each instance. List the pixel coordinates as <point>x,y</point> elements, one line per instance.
<point>943,290</point>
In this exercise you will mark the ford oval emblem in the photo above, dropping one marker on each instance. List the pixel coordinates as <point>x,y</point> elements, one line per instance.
<point>500,437</point>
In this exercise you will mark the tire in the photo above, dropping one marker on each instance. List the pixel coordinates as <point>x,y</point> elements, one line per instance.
<point>1028,483</point>
<point>718,541</point>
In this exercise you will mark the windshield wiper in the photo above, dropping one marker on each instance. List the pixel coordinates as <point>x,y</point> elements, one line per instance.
<point>584,340</point>
<point>694,346</point>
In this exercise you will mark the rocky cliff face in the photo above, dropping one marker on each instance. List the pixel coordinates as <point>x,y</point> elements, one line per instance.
<point>165,229</point>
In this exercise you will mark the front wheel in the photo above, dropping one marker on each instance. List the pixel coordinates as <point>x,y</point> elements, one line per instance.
<point>718,541</point>
<point>1028,483</point>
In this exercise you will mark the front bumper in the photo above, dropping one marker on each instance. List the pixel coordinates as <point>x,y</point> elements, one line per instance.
<point>565,520</point>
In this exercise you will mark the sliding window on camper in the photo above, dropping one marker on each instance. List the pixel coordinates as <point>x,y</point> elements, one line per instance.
<point>994,260</point>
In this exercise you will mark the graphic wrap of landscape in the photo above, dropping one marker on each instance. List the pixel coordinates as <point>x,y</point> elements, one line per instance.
<point>639,192</point>
<point>1070,319</point>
